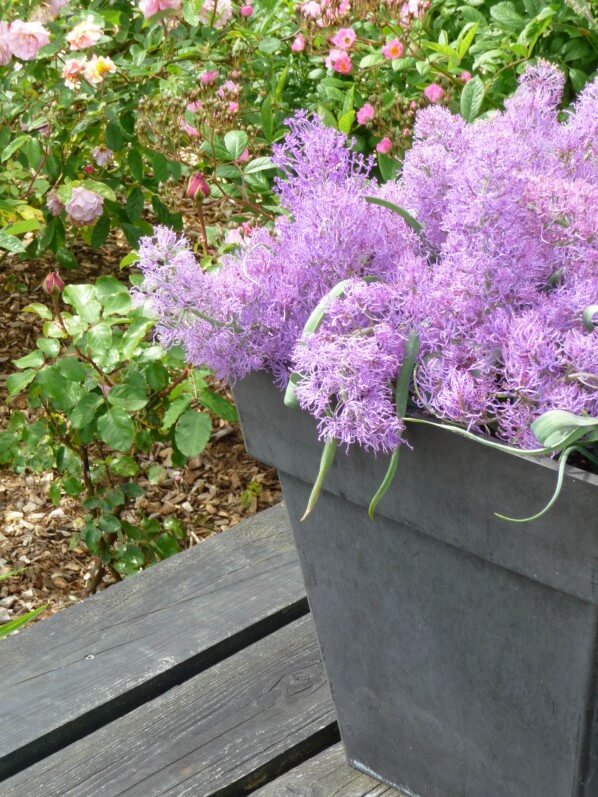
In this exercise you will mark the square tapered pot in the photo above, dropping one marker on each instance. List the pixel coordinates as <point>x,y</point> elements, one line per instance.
<point>461,650</point>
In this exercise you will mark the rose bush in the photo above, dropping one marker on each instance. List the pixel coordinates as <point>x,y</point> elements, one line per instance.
<point>125,100</point>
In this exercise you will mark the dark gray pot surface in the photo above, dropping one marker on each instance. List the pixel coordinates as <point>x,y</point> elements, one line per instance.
<point>461,649</point>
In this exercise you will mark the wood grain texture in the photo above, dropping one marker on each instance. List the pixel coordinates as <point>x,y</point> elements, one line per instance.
<point>223,732</point>
<point>101,658</point>
<point>326,775</point>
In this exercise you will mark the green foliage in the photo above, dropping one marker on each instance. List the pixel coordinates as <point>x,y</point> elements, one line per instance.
<point>134,136</point>
<point>104,395</point>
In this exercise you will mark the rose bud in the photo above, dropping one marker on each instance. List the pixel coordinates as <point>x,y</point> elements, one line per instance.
<point>197,187</point>
<point>88,169</point>
<point>53,284</point>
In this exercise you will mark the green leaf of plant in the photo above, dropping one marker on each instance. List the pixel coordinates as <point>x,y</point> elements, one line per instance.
<point>19,381</point>
<point>134,204</point>
<point>219,405</point>
<point>82,300</point>
<point>413,223</point>
<point>472,99</point>
<point>85,410</point>
<point>116,429</point>
<point>19,622</point>
<point>155,474</point>
<point>39,309</point>
<point>128,396</point>
<point>49,346</point>
<point>175,410</point>
<point>192,432</point>
<point>10,243</point>
<point>236,142</point>
<point>32,360</point>
<point>124,466</point>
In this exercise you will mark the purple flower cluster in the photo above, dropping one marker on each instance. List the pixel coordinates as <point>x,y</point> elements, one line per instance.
<point>495,287</point>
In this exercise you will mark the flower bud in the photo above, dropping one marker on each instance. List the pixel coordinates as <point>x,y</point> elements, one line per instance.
<point>88,169</point>
<point>197,187</point>
<point>53,284</point>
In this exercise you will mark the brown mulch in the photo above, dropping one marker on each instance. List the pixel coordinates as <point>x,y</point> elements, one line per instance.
<point>211,494</point>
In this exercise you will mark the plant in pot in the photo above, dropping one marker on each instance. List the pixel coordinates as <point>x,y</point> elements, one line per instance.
<point>450,316</point>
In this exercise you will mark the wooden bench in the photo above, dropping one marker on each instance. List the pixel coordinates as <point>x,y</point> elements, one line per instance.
<point>201,676</point>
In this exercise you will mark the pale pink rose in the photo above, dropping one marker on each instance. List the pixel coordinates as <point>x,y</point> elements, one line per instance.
<point>5,54</point>
<point>232,107</point>
<point>97,68</point>
<point>54,7</point>
<point>234,237</point>
<point>103,156</point>
<point>298,46</point>
<point>311,9</point>
<point>393,49</point>
<point>54,204</point>
<point>26,38</point>
<point>384,146</point>
<point>465,77</point>
<point>235,74</point>
<point>72,71</point>
<point>433,92</point>
<point>187,128</point>
<point>207,78</point>
<point>340,61</point>
<point>229,87</point>
<point>84,206</point>
<point>150,8</point>
<point>366,113</point>
<point>246,11</point>
<point>216,12</point>
<point>344,38</point>
<point>85,34</point>
<point>194,107</point>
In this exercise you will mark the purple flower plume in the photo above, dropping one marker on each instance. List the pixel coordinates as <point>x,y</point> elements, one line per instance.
<point>496,287</point>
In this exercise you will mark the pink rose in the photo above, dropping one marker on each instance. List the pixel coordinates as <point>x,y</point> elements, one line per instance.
<point>5,54</point>
<point>102,156</point>
<point>72,71</point>
<point>393,49</point>
<point>26,38</point>
<point>246,11</point>
<point>433,92</point>
<point>311,10</point>
<point>344,39</point>
<point>340,61</point>
<point>465,77</point>
<point>97,67</point>
<point>84,206</point>
<point>189,129</point>
<point>384,146</point>
<point>298,46</point>
<point>53,284</point>
<point>232,107</point>
<point>207,78</point>
<point>194,107</point>
<point>197,187</point>
<point>85,34</point>
<point>366,113</point>
<point>150,8</point>
<point>54,7</point>
<point>244,156</point>
<point>54,204</point>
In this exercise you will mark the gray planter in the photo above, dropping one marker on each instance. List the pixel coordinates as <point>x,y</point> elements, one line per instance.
<point>461,650</point>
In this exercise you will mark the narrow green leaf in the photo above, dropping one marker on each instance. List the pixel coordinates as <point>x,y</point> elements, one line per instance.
<point>411,221</point>
<point>472,99</point>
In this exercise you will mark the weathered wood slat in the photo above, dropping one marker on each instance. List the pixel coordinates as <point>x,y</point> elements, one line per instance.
<point>222,732</point>
<point>111,653</point>
<point>326,775</point>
